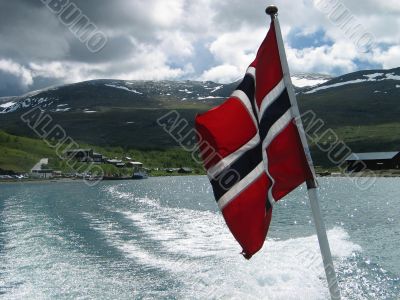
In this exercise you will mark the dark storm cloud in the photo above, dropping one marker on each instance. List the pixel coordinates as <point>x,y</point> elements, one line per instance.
<point>29,31</point>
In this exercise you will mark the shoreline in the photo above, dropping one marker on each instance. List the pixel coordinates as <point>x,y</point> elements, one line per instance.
<point>70,180</point>
<point>63,180</point>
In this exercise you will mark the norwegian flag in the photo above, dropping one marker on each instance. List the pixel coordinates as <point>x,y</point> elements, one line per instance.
<point>251,148</point>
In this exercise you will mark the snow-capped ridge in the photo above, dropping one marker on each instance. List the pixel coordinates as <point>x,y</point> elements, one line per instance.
<point>373,77</point>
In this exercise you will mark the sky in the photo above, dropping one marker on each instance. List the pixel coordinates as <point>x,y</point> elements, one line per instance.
<point>186,39</point>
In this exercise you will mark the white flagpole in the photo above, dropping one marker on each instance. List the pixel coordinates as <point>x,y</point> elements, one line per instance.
<point>311,184</point>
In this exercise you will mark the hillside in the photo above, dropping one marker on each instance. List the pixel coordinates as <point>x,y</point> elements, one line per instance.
<point>115,113</point>
<point>20,154</point>
<point>362,107</point>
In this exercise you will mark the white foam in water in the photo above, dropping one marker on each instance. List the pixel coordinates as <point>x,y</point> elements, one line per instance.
<point>40,261</point>
<point>290,269</point>
<point>197,247</point>
<point>133,248</point>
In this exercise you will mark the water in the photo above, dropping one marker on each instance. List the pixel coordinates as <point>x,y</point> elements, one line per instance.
<point>163,238</point>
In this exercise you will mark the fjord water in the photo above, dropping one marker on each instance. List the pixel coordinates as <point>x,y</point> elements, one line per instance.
<point>163,238</point>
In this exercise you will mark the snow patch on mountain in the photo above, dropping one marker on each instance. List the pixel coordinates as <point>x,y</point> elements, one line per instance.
<point>7,105</point>
<point>216,89</point>
<point>186,91</point>
<point>123,88</point>
<point>303,82</point>
<point>209,97</point>
<point>392,76</point>
<point>335,85</point>
<point>20,102</point>
<point>373,75</point>
<point>62,109</point>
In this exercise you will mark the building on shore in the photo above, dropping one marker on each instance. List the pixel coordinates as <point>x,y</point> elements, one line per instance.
<point>84,155</point>
<point>81,155</point>
<point>116,162</point>
<point>97,158</point>
<point>43,173</point>
<point>357,162</point>
<point>41,170</point>
<point>136,165</point>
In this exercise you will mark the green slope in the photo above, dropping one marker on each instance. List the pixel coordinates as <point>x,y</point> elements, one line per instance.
<point>20,154</point>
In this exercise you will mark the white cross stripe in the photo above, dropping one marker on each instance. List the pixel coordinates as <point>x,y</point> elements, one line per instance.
<point>231,158</point>
<point>251,71</point>
<point>271,97</point>
<point>246,102</point>
<point>240,186</point>
<point>277,128</point>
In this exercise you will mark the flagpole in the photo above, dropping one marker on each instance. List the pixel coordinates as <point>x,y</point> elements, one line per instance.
<point>333,286</point>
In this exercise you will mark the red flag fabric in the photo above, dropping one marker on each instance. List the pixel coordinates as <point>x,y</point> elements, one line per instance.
<point>251,148</point>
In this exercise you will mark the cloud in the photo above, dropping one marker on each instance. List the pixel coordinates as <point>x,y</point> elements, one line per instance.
<point>338,58</point>
<point>233,51</point>
<point>389,58</point>
<point>319,44</point>
<point>183,39</point>
<point>222,73</point>
<point>23,74</point>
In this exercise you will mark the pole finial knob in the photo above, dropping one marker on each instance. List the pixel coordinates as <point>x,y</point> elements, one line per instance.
<point>271,10</point>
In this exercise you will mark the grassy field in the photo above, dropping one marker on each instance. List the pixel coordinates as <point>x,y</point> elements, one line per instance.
<point>20,154</point>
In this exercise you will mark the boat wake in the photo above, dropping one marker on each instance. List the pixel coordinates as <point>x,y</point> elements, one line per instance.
<point>133,240</point>
<point>196,249</point>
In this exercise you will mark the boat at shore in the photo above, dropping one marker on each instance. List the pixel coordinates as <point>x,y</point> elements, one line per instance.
<point>140,175</point>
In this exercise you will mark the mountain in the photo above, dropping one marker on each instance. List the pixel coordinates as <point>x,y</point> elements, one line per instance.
<point>362,107</point>
<point>358,99</point>
<point>91,96</point>
<point>114,112</point>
